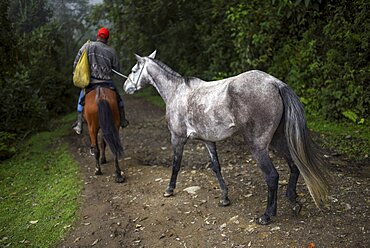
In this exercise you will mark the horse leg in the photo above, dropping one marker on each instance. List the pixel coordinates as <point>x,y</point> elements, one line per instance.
<point>211,147</point>
<point>272,179</point>
<point>291,192</point>
<point>93,131</point>
<point>103,159</point>
<point>95,150</point>
<point>178,148</point>
<point>119,177</point>
<point>279,144</point>
<point>97,155</point>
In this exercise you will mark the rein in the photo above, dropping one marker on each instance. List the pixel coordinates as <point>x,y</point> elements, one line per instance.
<point>119,74</point>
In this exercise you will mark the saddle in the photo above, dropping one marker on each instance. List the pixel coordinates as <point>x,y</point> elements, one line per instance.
<point>92,86</point>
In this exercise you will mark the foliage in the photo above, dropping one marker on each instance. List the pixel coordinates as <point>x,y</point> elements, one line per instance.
<point>28,14</point>
<point>343,138</point>
<point>179,30</point>
<point>39,190</point>
<point>317,48</point>
<point>320,48</point>
<point>7,48</point>
<point>7,147</point>
<point>39,40</point>
<point>16,109</point>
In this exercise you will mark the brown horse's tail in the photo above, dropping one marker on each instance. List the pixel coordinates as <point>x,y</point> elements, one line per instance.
<point>110,132</point>
<point>306,155</point>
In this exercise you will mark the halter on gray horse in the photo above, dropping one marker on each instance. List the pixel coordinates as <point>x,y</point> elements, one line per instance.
<point>254,104</point>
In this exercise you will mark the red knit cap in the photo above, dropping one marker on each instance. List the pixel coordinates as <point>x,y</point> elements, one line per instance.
<point>103,33</point>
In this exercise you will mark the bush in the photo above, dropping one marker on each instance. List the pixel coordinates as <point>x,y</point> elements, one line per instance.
<point>320,49</point>
<point>7,145</point>
<point>22,108</point>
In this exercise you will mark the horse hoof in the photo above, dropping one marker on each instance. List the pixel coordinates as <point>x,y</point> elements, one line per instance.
<point>120,179</point>
<point>98,172</point>
<point>297,209</point>
<point>168,193</point>
<point>224,202</point>
<point>263,220</point>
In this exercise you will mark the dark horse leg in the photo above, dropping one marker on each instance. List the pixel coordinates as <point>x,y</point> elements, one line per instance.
<point>178,148</point>
<point>119,177</point>
<point>211,147</point>
<point>279,144</point>
<point>272,179</point>
<point>291,192</point>
<point>96,151</point>
<point>103,159</point>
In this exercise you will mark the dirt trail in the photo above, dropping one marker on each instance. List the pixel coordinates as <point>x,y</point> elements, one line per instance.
<point>135,213</point>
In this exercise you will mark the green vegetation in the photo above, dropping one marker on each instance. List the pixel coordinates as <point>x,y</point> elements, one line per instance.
<point>344,138</point>
<point>39,190</point>
<point>39,40</point>
<point>320,48</point>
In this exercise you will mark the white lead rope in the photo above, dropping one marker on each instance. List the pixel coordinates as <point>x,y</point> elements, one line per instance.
<point>119,74</point>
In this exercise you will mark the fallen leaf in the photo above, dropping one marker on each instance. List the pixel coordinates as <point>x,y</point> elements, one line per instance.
<point>192,189</point>
<point>67,226</point>
<point>95,242</point>
<point>277,228</point>
<point>311,245</point>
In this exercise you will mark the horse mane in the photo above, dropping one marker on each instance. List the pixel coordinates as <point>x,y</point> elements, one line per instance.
<point>173,73</point>
<point>166,68</point>
<point>191,81</point>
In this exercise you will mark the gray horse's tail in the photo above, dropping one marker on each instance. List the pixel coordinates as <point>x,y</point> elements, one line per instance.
<point>110,132</point>
<point>305,153</point>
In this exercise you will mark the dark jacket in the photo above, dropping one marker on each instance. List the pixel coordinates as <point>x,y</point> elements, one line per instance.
<point>102,59</point>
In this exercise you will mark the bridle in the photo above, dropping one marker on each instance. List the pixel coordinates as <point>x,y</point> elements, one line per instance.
<point>128,78</point>
<point>138,79</point>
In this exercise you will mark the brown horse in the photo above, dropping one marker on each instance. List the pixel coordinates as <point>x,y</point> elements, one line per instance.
<point>101,111</point>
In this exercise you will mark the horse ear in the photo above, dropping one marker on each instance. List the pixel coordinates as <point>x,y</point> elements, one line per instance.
<point>153,54</point>
<point>138,58</point>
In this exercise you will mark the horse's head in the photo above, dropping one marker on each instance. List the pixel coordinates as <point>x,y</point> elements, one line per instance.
<point>138,76</point>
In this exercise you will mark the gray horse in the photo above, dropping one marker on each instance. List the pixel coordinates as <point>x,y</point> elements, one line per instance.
<point>264,110</point>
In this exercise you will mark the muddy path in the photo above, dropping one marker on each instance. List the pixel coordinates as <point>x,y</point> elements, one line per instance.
<point>135,213</point>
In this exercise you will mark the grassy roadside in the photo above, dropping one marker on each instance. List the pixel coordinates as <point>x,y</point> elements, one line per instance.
<point>346,139</point>
<point>38,191</point>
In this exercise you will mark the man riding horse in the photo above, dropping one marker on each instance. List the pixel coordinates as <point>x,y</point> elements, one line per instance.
<point>102,59</point>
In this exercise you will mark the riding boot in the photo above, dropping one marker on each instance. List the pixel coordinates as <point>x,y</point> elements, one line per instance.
<point>124,122</point>
<point>78,125</point>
